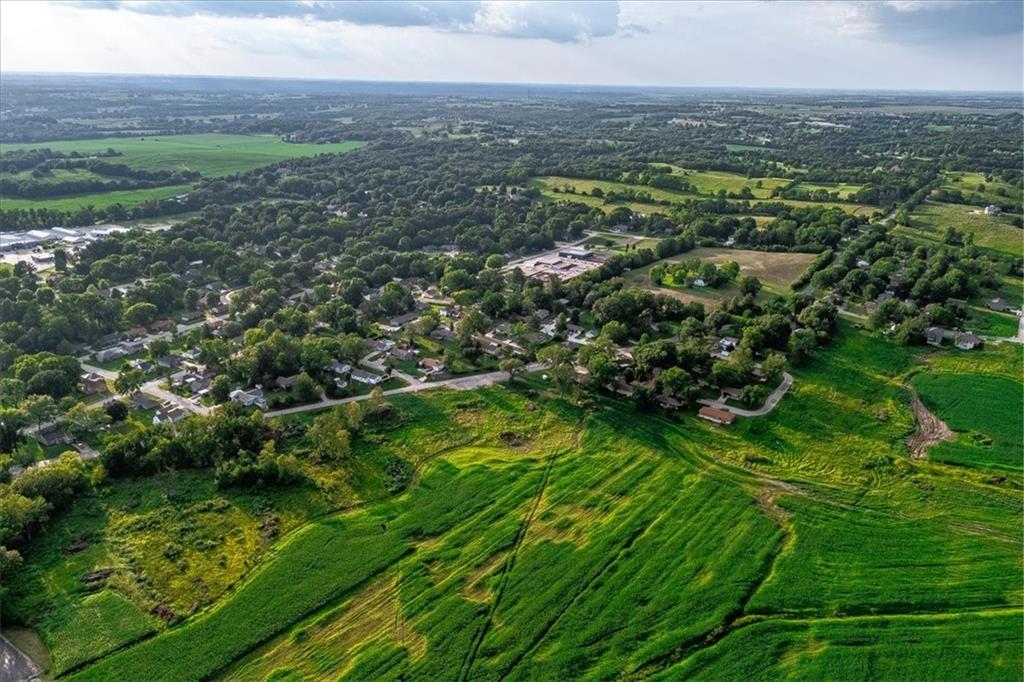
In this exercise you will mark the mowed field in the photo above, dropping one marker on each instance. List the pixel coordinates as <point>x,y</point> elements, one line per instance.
<point>979,396</point>
<point>706,183</point>
<point>930,221</point>
<point>211,154</point>
<point>775,270</point>
<point>601,543</point>
<point>975,184</point>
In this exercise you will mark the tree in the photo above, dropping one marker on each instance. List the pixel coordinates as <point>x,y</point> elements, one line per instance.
<point>331,440</point>
<point>677,382</point>
<point>117,411</point>
<point>12,392</point>
<point>39,408</point>
<point>129,381</point>
<point>158,348</point>
<point>220,389</point>
<point>511,365</point>
<point>559,364</point>
<point>615,331</point>
<point>306,390</point>
<point>11,422</point>
<point>83,420</point>
<point>749,285</point>
<point>802,344</point>
<point>141,314</point>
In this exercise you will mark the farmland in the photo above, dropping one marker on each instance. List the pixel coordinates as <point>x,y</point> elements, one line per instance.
<point>211,155</point>
<point>505,561</point>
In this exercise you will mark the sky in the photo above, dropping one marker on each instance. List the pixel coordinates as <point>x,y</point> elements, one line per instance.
<point>894,44</point>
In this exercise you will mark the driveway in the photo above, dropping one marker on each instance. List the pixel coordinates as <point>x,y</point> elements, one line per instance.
<point>15,666</point>
<point>769,404</point>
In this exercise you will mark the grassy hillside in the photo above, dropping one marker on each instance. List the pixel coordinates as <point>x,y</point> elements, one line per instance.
<point>543,540</point>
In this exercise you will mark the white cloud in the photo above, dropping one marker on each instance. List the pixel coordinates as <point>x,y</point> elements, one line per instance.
<point>784,44</point>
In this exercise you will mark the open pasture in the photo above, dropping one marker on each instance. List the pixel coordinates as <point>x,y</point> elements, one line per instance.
<point>931,220</point>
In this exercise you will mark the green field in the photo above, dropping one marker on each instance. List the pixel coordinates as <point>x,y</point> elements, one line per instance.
<point>991,323</point>
<point>930,220</point>
<point>706,183</point>
<point>600,543</point>
<point>970,184</point>
<point>979,397</point>
<point>211,154</point>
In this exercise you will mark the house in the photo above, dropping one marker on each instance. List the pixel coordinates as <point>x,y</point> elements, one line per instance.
<point>192,354</point>
<point>93,383</point>
<point>669,403</point>
<point>992,209</point>
<point>397,323</point>
<point>724,347</point>
<point>541,314</point>
<point>999,305</point>
<point>624,389</point>
<point>403,353</point>
<point>135,333</point>
<point>383,345</point>
<point>143,402</point>
<point>163,325</point>
<point>698,282</point>
<point>367,378</point>
<point>168,414</point>
<point>109,354</point>
<point>52,435</point>
<point>251,398</point>
<point>340,368</point>
<point>133,347</point>
<point>431,366</point>
<point>934,336</point>
<point>144,366</point>
<point>442,334</point>
<point>713,414</point>
<point>968,341</point>
<point>285,383</point>
<point>451,313</point>
<point>169,361</point>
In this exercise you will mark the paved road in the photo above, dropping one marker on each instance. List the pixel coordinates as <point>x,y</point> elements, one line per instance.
<point>459,383</point>
<point>15,666</point>
<point>769,404</point>
<point>153,388</point>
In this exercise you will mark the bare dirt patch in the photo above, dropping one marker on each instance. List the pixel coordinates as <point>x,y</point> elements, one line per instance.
<point>930,430</point>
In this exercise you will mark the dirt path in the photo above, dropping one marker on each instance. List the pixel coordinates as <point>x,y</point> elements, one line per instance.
<point>930,430</point>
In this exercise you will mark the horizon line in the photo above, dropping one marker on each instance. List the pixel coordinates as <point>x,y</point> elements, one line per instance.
<point>643,86</point>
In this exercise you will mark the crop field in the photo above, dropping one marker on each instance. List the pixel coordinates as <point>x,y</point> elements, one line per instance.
<point>211,154</point>
<point>930,221</point>
<point>542,540</point>
<point>844,189</point>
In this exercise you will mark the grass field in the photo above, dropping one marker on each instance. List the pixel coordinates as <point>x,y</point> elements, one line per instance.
<point>707,183</point>
<point>775,270</point>
<point>211,154</point>
<point>991,323</point>
<point>970,183</point>
<point>598,543</point>
<point>930,221</point>
<point>979,397</point>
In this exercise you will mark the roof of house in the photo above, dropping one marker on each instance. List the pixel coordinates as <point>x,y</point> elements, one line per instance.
<point>715,414</point>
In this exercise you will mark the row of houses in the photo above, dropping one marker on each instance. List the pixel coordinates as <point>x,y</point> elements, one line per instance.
<point>935,336</point>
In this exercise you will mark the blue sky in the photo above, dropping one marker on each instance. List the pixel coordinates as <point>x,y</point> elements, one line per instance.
<point>899,44</point>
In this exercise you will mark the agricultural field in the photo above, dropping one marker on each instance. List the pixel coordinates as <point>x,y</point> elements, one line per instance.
<point>210,154</point>
<point>537,529</point>
<point>931,220</point>
<point>843,189</point>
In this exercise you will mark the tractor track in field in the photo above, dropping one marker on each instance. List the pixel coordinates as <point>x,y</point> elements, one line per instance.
<point>930,429</point>
<point>626,546</point>
<point>471,655</point>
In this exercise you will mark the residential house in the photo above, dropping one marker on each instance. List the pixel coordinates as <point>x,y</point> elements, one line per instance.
<point>431,366</point>
<point>93,383</point>
<point>169,361</point>
<point>367,378</point>
<point>143,402</point>
<point>934,336</point>
<point>669,403</point>
<point>341,369</point>
<point>110,354</point>
<point>383,345</point>
<point>713,414</point>
<point>396,324</point>
<point>442,334</point>
<point>52,435</point>
<point>724,347</point>
<point>286,383</point>
<point>403,353</point>
<point>251,398</point>
<point>168,414</point>
<point>999,305</point>
<point>968,341</point>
